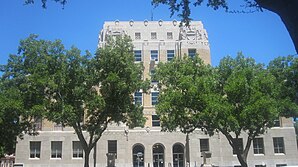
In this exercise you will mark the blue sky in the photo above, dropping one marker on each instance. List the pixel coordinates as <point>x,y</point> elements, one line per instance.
<point>260,35</point>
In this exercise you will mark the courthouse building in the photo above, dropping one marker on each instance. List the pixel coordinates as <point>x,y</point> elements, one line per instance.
<point>154,42</point>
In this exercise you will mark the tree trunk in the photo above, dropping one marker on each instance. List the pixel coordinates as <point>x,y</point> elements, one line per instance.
<point>86,158</point>
<point>287,11</point>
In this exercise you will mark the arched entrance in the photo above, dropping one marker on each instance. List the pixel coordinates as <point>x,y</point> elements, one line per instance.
<point>138,155</point>
<point>158,155</point>
<point>178,155</point>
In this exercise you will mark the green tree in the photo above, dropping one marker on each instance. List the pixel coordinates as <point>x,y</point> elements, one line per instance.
<point>285,9</point>
<point>83,92</point>
<point>285,69</point>
<point>238,97</point>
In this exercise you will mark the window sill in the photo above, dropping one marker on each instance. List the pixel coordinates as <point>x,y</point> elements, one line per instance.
<point>55,158</point>
<point>279,154</point>
<point>34,158</point>
<point>259,154</point>
<point>77,158</point>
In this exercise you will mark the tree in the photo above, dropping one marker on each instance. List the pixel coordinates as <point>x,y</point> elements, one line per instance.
<point>285,69</point>
<point>285,9</point>
<point>238,97</point>
<point>83,92</point>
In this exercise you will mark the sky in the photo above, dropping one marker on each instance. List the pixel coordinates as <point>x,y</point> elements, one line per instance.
<point>261,35</point>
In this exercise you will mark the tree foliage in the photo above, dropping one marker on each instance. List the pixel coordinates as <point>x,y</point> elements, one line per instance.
<point>285,9</point>
<point>285,69</point>
<point>81,91</point>
<point>239,96</point>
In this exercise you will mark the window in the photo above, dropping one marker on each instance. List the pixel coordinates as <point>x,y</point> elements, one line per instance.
<point>77,149</point>
<point>178,155</point>
<point>276,123</point>
<point>158,155</point>
<point>137,35</point>
<point>154,55</point>
<point>152,72</point>
<point>112,147</point>
<point>35,149</point>
<point>138,55</point>
<point>258,144</point>
<point>192,53</point>
<point>153,35</point>
<point>138,98</point>
<point>58,127</point>
<point>204,145</point>
<point>154,98</point>
<point>169,35</point>
<point>138,155</point>
<point>37,123</point>
<point>155,120</point>
<point>239,144</point>
<point>56,149</point>
<point>279,165</point>
<point>170,54</point>
<point>260,165</point>
<point>278,144</point>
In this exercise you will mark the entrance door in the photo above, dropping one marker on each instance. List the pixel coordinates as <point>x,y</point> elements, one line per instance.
<point>178,155</point>
<point>158,155</point>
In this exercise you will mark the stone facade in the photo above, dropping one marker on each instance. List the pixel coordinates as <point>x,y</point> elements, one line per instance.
<point>154,42</point>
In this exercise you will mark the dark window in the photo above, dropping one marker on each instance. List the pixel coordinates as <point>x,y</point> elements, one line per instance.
<point>169,35</point>
<point>239,144</point>
<point>204,145</point>
<point>158,155</point>
<point>278,143</point>
<point>153,35</point>
<point>192,53</point>
<point>155,120</point>
<point>56,149</point>
<point>154,55</point>
<point>137,35</point>
<point>138,55</point>
<point>138,98</point>
<point>154,98</point>
<point>77,149</point>
<point>112,147</point>
<point>138,156</point>
<point>258,145</point>
<point>259,166</point>
<point>35,149</point>
<point>276,123</point>
<point>178,155</point>
<point>279,165</point>
<point>170,54</point>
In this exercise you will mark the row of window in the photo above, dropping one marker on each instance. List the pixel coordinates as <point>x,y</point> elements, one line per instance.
<point>258,145</point>
<point>56,149</point>
<point>154,54</point>
<point>153,35</point>
<point>138,98</point>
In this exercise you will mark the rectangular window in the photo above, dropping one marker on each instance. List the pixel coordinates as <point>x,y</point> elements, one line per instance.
<point>155,120</point>
<point>169,35</point>
<point>58,127</point>
<point>137,35</point>
<point>77,149</point>
<point>276,123</point>
<point>170,54</point>
<point>138,55</point>
<point>35,149</point>
<point>153,35</point>
<point>259,166</point>
<point>37,123</point>
<point>258,145</point>
<point>154,98</point>
<point>204,145</point>
<point>278,143</point>
<point>56,149</point>
<point>280,165</point>
<point>112,147</point>
<point>192,53</point>
<point>154,55</point>
<point>239,144</point>
<point>138,98</point>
